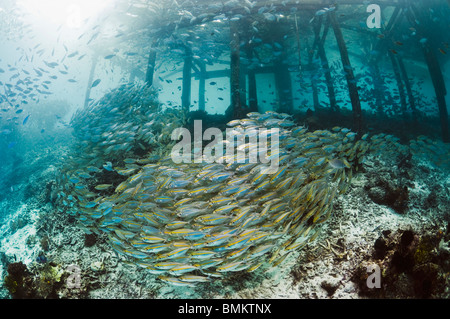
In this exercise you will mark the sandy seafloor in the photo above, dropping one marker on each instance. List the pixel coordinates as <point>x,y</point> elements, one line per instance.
<point>334,265</point>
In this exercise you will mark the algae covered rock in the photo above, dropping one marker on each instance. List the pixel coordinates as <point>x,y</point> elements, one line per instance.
<point>17,281</point>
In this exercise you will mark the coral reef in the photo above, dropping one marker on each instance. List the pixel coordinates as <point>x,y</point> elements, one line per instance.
<point>39,281</point>
<point>17,281</point>
<point>192,221</point>
<point>411,248</point>
<point>391,187</point>
<point>360,233</point>
<point>412,265</point>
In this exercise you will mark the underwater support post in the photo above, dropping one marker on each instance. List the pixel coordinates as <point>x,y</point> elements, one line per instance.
<point>407,84</point>
<point>328,78</point>
<point>91,78</point>
<point>187,80</point>
<point>351,81</point>
<point>201,86</point>
<point>235,71</point>
<point>433,67</point>
<point>151,66</point>
<point>252,93</point>
<point>400,85</point>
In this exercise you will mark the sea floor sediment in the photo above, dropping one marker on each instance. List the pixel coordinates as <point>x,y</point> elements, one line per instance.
<point>411,250</point>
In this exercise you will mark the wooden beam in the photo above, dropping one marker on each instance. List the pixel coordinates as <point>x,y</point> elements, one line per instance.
<point>281,6</point>
<point>187,80</point>
<point>150,67</point>
<point>201,87</point>
<point>284,86</point>
<point>196,69</point>
<point>299,49</point>
<point>91,78</point>
<point>433,67</point>
<point>313,70</point>
<point>328,79</point>
<point>227,72</point>
<point>407,84</point>
<point>400,85</point>
<point>243,85</point>
<point>377,82</point>
<point>359,30</point>
<point>440,90</point>
<point>381,46</point>
<point>252,92</point>
<point>351,81</point>
<point>324,60</point>
<point>387,33</point>
<point>235,78</point>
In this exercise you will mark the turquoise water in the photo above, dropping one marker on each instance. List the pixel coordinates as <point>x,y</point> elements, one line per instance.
<point>92,94</point>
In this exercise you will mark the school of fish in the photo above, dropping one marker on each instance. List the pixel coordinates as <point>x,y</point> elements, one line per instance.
<point>189,223</point>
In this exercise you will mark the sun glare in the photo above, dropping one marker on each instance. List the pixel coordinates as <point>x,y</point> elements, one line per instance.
<point>71,13</point>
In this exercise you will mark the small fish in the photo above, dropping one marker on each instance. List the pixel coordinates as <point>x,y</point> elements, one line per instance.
<point>442,51</point>
<point>175,281</point>
<point>12,144</point>
<point>108,166</point>
<point>51,64</point>
<point>194,278</point>
<point>337,163</point>
<point>103,186</point>
<point>109,56</point>
<point>95,83</point>
<point>74,179</point>
<point>72,54</point>
<point>26,119</point>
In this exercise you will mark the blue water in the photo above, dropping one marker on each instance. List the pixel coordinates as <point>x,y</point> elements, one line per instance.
<point>66,65</point>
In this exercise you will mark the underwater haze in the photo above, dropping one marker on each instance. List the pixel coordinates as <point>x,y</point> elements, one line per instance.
<point>224,149</point>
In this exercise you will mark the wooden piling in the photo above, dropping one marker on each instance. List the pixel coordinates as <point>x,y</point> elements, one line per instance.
<point>235,78</point>
<point>439,87</point>
<point>187,80</point>
<point>312,68</point>
<point>351,81</point>
<point>400,86</point>
<point>91,78</point>
<point>201,86</point>
<point>284,87</point>
<point>413,15</point>
<point>150,67</point>
<point>407,84</point>
<point>252,93</point>
<point>324,60</point>
<point>377,87</point>
<point>299,49</point>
